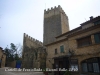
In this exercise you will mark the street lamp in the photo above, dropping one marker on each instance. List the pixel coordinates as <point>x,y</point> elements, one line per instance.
<point>69,56</point>
<point>69,53</point>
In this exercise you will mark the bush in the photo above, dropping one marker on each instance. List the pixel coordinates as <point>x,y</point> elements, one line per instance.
<point>67,73</point>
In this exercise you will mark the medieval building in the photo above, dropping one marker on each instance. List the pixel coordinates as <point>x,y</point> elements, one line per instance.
<point>33,53</point>
<point>2,58</point>
<point>78,48</point>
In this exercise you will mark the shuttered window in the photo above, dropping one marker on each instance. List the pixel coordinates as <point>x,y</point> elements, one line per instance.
<point>96,67</point>
<point>97,22</point>
<point>55,51</point>
<point>91,65</point>
<point>97,37</point>
<point>86,41</point>
<point>84,67</point>
<point>61,49</point>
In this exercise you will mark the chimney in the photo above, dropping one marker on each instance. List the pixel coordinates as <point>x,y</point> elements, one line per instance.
<point>91,17</point>
<point>1,48</point>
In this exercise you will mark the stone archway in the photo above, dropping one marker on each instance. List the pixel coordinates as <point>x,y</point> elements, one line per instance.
<point>90,65</point>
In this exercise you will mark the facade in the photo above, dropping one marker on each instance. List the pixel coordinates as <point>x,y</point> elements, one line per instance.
<point>33,55</point>
<point>2,58</point>
<point>78,48</point>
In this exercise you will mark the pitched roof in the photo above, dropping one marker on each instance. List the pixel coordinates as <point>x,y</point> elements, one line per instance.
<point>92,20</point>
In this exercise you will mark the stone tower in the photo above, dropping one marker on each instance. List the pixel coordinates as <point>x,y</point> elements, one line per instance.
<point>55,23</point>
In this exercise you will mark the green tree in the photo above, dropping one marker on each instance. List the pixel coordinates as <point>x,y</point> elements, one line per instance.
<point>9,56</point>
<point>13,53</point>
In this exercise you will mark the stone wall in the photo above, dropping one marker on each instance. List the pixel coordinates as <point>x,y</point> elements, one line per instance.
<point>32,49</point>
<point>55,23</point>
<point>70,42</point>
<point>86,52</point>
<point>2,58</point>
<point>87,49</point>
<point>51,52</point>
<point>30,42</point>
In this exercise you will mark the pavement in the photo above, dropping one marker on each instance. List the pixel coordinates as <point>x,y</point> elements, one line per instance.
<point>4,71</point>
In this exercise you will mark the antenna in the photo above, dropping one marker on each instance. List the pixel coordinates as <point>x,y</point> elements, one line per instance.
<point>45,5</point>
<point>85,19</point>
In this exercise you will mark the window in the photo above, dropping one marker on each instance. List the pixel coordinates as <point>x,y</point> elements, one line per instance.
<point>61,49</point>
<point>84,41</point>
<point>97,37</point>
<point>84,67</point>
<point>91,65</point>
<point>97,22</point>
<point>74,64</point>
<point>55,51</point>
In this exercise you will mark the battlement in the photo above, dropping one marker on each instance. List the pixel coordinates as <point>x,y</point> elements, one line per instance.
<point>53,11</point>
<point>33,39</point>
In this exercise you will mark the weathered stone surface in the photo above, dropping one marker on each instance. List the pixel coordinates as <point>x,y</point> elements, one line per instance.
<point>55,23</point>
<point>69,40</point>
<point>2,58</point>
<point>33,52</point>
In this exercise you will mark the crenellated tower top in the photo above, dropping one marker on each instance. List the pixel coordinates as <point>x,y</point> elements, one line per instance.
<point>53,11</point>
<point>33,39</point>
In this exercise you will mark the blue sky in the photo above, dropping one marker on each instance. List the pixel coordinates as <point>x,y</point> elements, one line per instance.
<point>26,16</point>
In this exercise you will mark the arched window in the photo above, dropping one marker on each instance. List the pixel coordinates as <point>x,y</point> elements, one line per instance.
<point>91,65</point>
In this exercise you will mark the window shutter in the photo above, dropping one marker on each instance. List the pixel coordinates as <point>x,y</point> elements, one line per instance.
<point>55,51</point>
<point>97,39</point>
<point>96,67</point>
<point>61,49</point>
<point>90,69</point>
<point>84,67</point>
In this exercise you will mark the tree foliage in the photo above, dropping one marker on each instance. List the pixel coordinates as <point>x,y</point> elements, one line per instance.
<point>13,53</point>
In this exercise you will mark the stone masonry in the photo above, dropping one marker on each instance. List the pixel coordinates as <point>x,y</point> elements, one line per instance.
<point>33,53</point>
<point>55,23</point>
<point>70,42</point>
<point>2,58</point>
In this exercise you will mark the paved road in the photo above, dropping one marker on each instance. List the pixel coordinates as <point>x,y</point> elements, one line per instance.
<point>3,72</point>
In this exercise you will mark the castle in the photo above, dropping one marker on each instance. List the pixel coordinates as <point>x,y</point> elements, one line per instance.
<point>64,48</point>
<point>55,23</point>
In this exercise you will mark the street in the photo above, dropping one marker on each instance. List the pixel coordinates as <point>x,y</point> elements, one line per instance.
<point>3,72</point>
